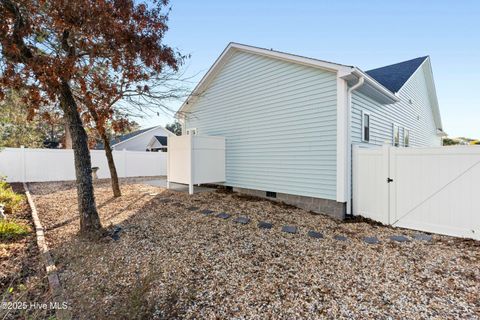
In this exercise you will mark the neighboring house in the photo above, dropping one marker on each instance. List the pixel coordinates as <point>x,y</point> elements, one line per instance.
<point>158,143</point>
<point>290,121</point>
<point>140,140</point>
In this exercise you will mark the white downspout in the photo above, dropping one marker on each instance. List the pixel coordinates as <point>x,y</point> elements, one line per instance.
<point>360,82</point>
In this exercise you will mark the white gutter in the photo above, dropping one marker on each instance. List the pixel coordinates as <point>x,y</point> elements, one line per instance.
<point>360,83</point>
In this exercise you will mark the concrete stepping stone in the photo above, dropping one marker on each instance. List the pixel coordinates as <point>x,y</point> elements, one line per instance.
<point>164,200</point>
<point>242,220</point>
<point>340,238</point>
<point>371,240</point>
<point>315,234</point>
<point>265,225</point>
<point>206,212</point>
<point>116,233</point>
<point>223,215</point>
<point>423,237</point>
<point>289,229</point>
<point>193,208</point>
<point>399,238</point>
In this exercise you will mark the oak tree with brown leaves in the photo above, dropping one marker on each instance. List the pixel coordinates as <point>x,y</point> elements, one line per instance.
<point>48,48</point>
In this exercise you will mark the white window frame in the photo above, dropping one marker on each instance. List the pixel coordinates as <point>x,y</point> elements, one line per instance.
<point>405,130</point>
<point>365,113</point>
<point>192,131</point>
<point>395,126</point>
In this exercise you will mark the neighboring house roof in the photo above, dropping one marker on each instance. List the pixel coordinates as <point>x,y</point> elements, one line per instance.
<point>381,84</point>
<point>394,76</point>
<point>130,135</point>
<point>162,140</point>
<point>157,142</point>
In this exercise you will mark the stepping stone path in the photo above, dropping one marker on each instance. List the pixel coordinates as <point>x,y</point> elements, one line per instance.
<point>315,234</point>
<point>340,238</point>
<point>371,240</point>
<point>242,220</point>
<point>206,212</point>
<point>265,225</point>
<point>116,233</point>
<point>164,200</point>
<point>289,229</point>
<point>399,238</point>
<point>223,215</point>
<point>192,208</point>
<point>423,237</point>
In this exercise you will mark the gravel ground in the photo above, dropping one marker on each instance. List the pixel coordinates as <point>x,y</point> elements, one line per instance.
<point>172,262</point>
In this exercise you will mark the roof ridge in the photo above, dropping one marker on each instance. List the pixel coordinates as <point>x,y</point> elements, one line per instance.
<point>396,63</point>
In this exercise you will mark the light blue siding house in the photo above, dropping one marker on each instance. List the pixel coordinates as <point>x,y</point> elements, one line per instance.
<point>290,121</point>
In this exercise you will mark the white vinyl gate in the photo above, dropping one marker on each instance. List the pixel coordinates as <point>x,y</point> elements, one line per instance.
<point>427,189</point>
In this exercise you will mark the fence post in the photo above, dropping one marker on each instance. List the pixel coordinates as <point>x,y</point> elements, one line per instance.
<point>24,164</point>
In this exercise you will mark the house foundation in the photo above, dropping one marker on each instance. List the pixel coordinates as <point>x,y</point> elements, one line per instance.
<point>328,207</point>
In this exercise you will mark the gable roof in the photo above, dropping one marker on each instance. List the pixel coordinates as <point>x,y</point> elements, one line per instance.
<point>381,84</point>
<point>371,84</point>
<point>130,135</point>
<point>394,76</point>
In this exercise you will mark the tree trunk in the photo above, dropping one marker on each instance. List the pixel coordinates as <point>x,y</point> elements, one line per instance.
<point>111,164</point>
<point>68,136</point>
<point>89,219</point>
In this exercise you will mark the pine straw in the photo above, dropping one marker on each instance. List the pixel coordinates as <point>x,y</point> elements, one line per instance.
<point>174,263</point>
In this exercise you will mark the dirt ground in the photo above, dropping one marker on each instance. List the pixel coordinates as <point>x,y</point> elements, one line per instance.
<point>172,261</point>
<point>22,275</point>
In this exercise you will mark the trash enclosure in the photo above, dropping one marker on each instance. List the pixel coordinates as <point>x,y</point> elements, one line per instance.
<point>194,159</point>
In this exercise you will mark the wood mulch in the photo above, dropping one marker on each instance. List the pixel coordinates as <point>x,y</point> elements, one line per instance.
<point>173,261</point>
<point>24,288</point>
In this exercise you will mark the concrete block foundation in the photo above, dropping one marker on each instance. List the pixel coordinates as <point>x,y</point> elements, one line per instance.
<point>328,207</point>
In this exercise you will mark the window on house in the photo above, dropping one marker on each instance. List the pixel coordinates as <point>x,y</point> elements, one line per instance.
<point>192,131</point>
<point>406,137</point>
<point>365,126</point>
<point>396,136</point>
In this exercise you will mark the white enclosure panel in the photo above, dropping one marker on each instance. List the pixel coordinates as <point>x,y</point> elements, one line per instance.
<point>179,159</point>
<point>208,159</point>
<point>435,190</point>
<point>37,165</point>
<point>370,189</point>
<point>196,159</point>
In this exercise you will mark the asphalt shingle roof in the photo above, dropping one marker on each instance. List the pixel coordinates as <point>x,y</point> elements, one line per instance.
<point>163,140</point>
<point>394,76</point>
<point>124,137</point>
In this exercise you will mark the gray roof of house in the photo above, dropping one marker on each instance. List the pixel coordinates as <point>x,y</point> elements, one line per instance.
<point>394,76</point>
<point>163,140</point>
<point>124,137</point>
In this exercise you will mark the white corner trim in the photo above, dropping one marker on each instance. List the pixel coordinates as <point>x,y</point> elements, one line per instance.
<point>342,139</point>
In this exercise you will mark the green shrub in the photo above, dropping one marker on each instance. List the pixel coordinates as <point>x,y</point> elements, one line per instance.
<point>12,230</point>
<point>11,200</point>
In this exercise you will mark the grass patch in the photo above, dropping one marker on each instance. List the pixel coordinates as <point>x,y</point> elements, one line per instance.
<point>11,200</point>
<point>12,230</point>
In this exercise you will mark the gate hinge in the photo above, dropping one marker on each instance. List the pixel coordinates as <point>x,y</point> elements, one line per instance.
<point>389,180</point>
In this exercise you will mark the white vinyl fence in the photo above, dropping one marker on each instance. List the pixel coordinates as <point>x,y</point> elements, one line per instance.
<point>428,189</point>
<point>35,165</point>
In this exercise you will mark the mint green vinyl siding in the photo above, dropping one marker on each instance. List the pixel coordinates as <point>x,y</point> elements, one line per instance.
<point>279,121</point>
<point>416,116</point>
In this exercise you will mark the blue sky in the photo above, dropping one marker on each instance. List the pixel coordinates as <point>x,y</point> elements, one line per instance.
<point>367,34</point>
